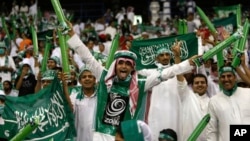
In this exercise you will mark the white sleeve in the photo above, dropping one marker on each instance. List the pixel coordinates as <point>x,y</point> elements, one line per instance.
<point>212,127</point>
<point>183,90</point>
<point>77,45</point>
<point>78,60</point>
<point>200,47</point>
<point>157,77</point>
<point>146,72</point>
<point>176,69</point>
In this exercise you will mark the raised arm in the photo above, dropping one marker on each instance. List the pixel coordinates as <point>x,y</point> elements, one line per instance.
<point>244,76</point>
<point>182,86</point>
<point>80,48</point>
<point>177,59</point>
<point>64,78</point>
<point>156,78</point>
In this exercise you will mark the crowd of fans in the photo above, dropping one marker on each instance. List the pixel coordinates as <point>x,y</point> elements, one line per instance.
<point>181,91</point>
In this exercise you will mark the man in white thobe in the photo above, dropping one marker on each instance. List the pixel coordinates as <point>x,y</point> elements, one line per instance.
<point>228,107</point>
<point>163,109</point>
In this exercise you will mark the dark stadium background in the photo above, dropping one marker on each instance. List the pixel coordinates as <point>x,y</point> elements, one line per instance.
<point>93,9</point>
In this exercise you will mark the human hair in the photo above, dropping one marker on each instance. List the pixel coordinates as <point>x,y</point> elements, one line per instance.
<point>169,132</point>
<point>199,75</point>
<point>9,82</point>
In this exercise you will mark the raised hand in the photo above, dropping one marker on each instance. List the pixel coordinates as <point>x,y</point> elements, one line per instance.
<point>225,34</point>
<point>243,60</point>
<point>176,48</point>
<point>71,31</point>
<point>191,59</point>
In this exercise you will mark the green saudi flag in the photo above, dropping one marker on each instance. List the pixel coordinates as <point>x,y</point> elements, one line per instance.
<point>49,105</point>
<point>224,11</point>
<point>146,49</point>
<point>228,23</point>
<point>148,28</point>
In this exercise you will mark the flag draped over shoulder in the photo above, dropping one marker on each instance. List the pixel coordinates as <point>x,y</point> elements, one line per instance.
<point>146,49</point>
<point>49,105</point>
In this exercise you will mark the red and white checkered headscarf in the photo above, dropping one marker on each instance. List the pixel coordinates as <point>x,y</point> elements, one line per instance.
<point>133,88</point>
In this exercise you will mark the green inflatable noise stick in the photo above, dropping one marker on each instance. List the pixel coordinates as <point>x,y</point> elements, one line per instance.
<point>219,47</point>
<point>23,133</point>
<point>199,128</point>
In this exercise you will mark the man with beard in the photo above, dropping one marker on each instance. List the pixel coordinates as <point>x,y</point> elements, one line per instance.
<point>164,98</point>
<point>8,89</point>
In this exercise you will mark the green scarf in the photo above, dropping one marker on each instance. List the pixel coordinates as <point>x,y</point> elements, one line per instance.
<point>119,91</point>
<point>78,90</point>
<point>230,92</point>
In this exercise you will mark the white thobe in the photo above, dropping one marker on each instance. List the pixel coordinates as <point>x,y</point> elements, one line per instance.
<point>84,111</point>
<point>227,110</point>
<point>11,64</point>
<point>165,105</point>
<point>195,107</point>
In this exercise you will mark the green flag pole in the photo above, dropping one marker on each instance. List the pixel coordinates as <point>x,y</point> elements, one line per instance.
<point>238,13</point>
<point>60,15</point>
<point>238,19</point>
<point>46,54</point>
<point>199,128</point>
<point>114,47</point>
<point>64,52</point>
<point>180,27</point>
<point>34,40</point>
<point>185,28</point>
<point>206,20</point>
<point>14,25</point>
<point>26,131</point>
<point>211,27</point>
<point>220,59</point>
<point>242,43</point>
<point>219,47</point>
<point>62,30</point>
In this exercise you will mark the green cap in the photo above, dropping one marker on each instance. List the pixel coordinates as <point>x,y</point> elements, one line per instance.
<point>162,50</point>
<point>226,69</point>
<point>125,54</point>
